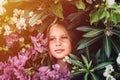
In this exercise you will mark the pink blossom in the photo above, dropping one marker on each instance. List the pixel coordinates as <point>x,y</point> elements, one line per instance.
<point>11,39</point>
<point>40,44</point>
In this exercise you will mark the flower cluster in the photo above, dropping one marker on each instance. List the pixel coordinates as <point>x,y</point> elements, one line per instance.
<point>109,69</point>
<point>17,67</point>
<point>56,74</point>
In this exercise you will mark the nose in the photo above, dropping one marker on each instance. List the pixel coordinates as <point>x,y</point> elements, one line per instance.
<point>58,42</point>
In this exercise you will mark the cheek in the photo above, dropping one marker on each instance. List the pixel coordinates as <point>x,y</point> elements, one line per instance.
<point>50,46</point>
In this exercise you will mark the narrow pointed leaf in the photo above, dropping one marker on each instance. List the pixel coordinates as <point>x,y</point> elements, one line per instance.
<point>107,46</point>
<point>116,46</point>
<point>74,57</point>
<point>116,32</point>
<point>90,64</point>
<point>76,73</point>
<point>87,42</point>
<point>77,63</point>
<point>94,77</point>
<point>85,28</point>
<point>86,76</point>
<point>102,65</point>
<point>93,33</point>
<point>85,60</point>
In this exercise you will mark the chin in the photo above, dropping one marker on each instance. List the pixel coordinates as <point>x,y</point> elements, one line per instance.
<point>59,57</point>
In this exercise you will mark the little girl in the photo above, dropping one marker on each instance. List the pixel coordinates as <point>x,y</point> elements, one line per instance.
<point>59,44</point>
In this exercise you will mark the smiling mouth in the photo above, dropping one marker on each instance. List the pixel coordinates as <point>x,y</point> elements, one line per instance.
<point>59,50</point>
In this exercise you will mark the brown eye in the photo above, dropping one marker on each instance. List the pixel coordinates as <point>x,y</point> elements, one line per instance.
<point>51,39</point>
<point>64,37</point>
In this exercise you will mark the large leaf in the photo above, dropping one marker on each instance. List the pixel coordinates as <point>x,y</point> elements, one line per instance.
<point>86,42</point>
<point>116,7</point>
<point>94,16</point>
<point>102,65</point>
<point>102,12</point>
<point>107,46</point>
<point>115,17</point>
<point>57,10</point>
<point>80,4</point>
<point>93,33</point>
<point>85,28</point>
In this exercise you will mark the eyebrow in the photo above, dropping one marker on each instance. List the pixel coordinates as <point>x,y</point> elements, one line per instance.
<point>60,35</point>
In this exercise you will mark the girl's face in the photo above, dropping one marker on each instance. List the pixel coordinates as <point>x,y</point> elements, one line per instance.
<point>59,42</point>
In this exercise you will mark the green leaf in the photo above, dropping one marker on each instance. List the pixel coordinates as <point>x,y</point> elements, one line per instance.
<point>86,76</point>
<point>76,73</point>
<point>116,46</point>
<point>115,17</point>
<point>98,54</point>
<point>94,77</point>
<point>107,46</point>
<point>57,10</point>
<point>73,56</point>
<point>76,63</point>
<point>94,16</point>
<point>102,12</point>
<point>85,28</point>
<point>93,33</point>
<point>75,16</point>
<point>80,4</point>
<point>102,65</point>
<point>107,18</point>
<point>89,65</point>
<point>86,42</point>
<point>116,32</point>
<point>116,7</point>
<point>85,60</point>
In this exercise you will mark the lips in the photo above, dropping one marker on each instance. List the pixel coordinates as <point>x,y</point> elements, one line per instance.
<point>59,50</point>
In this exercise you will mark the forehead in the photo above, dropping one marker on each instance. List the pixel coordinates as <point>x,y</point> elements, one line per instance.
<point>58,29</point>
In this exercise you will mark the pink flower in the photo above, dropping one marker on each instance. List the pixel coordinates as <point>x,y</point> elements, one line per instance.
<point>11,39</point>
<point>55,74</point>
<point>19,61</point>
<point>40,44</point>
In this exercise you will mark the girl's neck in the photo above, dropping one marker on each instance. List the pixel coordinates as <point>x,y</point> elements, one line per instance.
<point>63,65</point>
